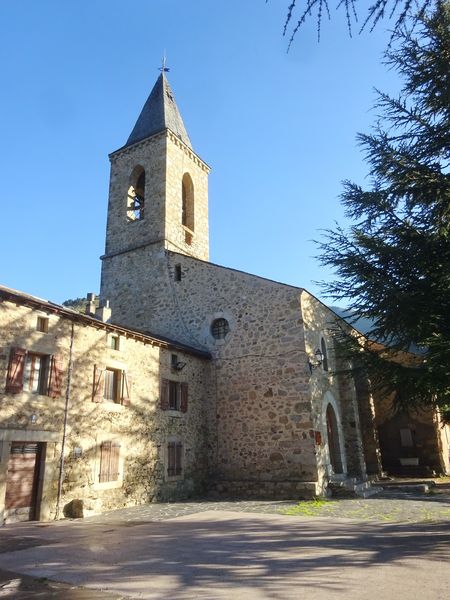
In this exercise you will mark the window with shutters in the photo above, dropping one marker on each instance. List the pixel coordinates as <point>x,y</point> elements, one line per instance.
<point>109,461</point>
<point>35,376</point>
<point>111,385</point>
<point>35,373</point>
<point>42,324</point>
<point>174,459</point>
<point>174,395</point>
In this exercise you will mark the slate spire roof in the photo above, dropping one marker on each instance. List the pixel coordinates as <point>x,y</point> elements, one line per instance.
<point>160,112</point>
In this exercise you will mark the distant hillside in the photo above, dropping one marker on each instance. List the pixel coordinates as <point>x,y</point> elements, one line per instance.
<point>360,323</point>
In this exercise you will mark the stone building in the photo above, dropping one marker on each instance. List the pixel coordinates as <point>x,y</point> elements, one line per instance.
<point>283,423</point>
<point>270,413</point>
<point>125,409</point>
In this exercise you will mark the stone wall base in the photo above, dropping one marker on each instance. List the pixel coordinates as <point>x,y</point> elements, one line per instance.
<point>264,490</point>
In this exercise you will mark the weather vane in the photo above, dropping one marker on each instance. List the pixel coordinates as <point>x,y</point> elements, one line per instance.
<point>163,67</point>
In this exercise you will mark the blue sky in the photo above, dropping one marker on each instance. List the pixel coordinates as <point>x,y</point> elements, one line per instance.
<point>277,128</point>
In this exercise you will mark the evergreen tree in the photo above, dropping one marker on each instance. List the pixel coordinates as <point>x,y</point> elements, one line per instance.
<point>299,11</point>
<point>393,264</point>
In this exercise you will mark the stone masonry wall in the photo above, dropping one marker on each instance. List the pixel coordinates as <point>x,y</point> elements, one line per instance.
<point>331,387</point>
<point>142,429</point>
<point>260,375</point>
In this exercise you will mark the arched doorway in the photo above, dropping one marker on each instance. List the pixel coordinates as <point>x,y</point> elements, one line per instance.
<point>334,447</point>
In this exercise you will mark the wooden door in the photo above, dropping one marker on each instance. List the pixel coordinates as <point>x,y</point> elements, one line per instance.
<point>22,480</point>
<point>333,441</point>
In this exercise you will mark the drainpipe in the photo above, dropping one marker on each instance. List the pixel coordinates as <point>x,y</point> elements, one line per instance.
<point>66,416</point>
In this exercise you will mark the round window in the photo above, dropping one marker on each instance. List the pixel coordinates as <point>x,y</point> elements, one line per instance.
<point>219,328</point>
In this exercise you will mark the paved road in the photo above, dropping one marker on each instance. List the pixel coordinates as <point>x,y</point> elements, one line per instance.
<point>150,553</point>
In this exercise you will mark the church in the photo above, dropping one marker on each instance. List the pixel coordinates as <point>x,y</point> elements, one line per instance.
<point>189,378</point>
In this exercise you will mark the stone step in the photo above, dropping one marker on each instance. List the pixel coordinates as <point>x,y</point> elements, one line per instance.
<point>352,488</point>
<point>406,488</point>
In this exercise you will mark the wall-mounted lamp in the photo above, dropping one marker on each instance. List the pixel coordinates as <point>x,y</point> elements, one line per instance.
<point>315,362</point>
<point>179,366</point>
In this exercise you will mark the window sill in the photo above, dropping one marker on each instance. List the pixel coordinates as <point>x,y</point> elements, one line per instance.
<point>112,406</point>
<point>108,485</point>
<point>170,478</point>
<point>177,414</point>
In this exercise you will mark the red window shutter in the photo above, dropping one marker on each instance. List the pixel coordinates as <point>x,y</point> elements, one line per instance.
<point>164,394</point>
<point>127,382</point>
<point>56,376</point>
<point>171,458</point>
<point>184,397</point>
<point>14,380</point>
<point>98,384</point>
<point>178,451</point>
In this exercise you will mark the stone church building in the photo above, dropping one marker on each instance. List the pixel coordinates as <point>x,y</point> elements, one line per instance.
<point>190,378</point>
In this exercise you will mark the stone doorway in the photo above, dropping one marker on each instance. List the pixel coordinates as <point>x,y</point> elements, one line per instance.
<point>334,446</point>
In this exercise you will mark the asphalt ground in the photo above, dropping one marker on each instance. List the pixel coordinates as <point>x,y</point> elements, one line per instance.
<point>218,550</point>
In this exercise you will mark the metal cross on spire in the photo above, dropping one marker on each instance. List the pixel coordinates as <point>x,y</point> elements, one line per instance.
<point>163,67</point>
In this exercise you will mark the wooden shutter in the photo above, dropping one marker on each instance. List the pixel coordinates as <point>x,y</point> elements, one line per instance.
<point>98,384</point>
<point>171,458</point>
<point>127,382</point>
<point>109,461</point>
<point>184,397</point>
<point>164,392</point>
<point>56,376</point>
<point>178,452</point>
<point>114,462</point>
<point>14,380</point>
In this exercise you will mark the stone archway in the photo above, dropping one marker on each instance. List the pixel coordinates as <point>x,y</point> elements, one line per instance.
<point>334,448</point>
<point>334,437</point>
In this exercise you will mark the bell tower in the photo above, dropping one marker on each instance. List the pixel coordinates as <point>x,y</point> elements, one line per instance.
<point>158,203</point>
<point>158,191</point>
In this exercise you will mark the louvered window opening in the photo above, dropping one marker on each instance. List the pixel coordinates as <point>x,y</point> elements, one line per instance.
<point>24,448</point>
<point>174,458</point>
<point>109,461</point>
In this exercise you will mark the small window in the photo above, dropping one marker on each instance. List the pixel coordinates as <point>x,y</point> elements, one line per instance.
<point>177,274</point>
<point>42,324</point>
<point>174,395</point>
<point>220,328</point>
<point>174,458</point>
<point>173,360</point>
<point>35,377</point>
<point>109,461</point>
<point>111,385</point>
<point>136,196</point>
<point>323,348</point>
<point>111,388</point>
<point>113,342</point>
